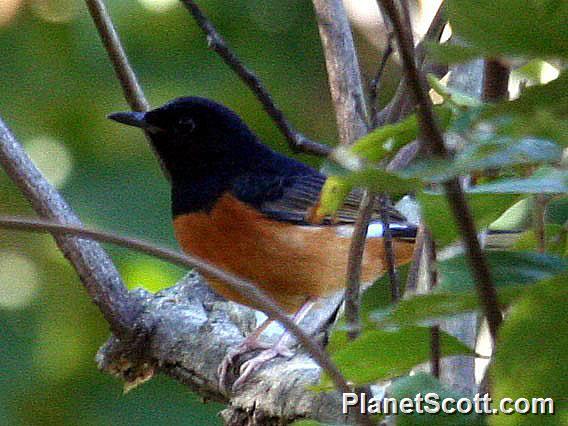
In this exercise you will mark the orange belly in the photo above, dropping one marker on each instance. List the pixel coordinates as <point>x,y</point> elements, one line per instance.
<point>287,261</point>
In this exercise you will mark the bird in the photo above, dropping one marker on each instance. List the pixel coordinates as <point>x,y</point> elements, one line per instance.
<point>249,210</point>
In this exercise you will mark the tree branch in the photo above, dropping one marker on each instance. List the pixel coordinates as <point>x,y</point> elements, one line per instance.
<point>192,330</point>
<point>356,249</point>
<point>94,267</point>
<point>373,90</point>
<point>352,123</point>
<point>240,285</point>
<point>431,134</point>
<point>342,69</point>
<point>297,141</point>
<point>389,251</point>
<point>402,103</point>
<point>111,41</point>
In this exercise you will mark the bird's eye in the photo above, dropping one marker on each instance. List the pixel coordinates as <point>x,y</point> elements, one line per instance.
<point>188,124</point>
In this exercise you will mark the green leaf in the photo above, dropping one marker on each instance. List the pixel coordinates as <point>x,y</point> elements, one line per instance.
<point>381,354</point>
<point>437,305</point>
<point>332,196</point>
<point>557,211</point>
<point>512,27</point>
<point>336,188</point>
<point>540,111</point>
<point>449,53</point>
<point>551,182</point>
<point>423,384</point>
<point>440,220</point>
<point>507,268</point>
<point>486,154</point>
<point>531,359</point>
<point>382,181</point>
<point>378,296</point>
<point>388,139</point>
<point>554,240</point>
<point>452,95</point>
<point>519,216</point>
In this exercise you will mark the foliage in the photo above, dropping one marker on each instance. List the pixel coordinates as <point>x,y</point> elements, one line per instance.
<point>513,151</point>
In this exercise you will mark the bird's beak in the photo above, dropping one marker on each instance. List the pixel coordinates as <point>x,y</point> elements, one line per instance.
<point>136,119</point>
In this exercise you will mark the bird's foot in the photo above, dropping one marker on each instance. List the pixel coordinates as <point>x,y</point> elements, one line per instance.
<point>253,364</point>
<point>228,362</point>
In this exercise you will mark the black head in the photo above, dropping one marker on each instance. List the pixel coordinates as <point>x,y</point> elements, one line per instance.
<point>196,136</point>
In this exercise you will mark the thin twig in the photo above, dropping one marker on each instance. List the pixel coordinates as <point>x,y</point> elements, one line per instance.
<point>402,103</point>
<point>241,286</point>
<point>351,115</point>
<point>356,249</point>
<point>411,286</point>
<point>131,88</point>
<point>94,267</point>
<point>539,229</point>
<point>389,251</point>
<point>297,141</point>
<point>435,350</point>
<point>124,72</point>
<point>374,86</point>
<point>431,134</point>
<point>432,256</point>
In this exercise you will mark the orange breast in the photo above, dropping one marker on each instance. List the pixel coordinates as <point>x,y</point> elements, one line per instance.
<point>287,261</point>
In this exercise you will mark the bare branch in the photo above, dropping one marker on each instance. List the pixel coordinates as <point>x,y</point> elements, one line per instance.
<point>356,249</point>
<point>351,116</point>
<point>128,81</point>
<point>435,350</point>
<point>413,273</point>
<point>297,141</point>
<point>374,86</point>
<point>240,285</point>
<point>131,88</point>
<point>192,330</point>
<point>402,103</point>
<point>389,251</point>
<point>94,267</point>
<point>342,69</point>
<point>432,135</point>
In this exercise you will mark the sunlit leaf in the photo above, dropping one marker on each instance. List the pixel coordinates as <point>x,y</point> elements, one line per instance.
<point>388,139</point>
<point>519,216</point>
<point>453,95</point>
<point>336,188</point>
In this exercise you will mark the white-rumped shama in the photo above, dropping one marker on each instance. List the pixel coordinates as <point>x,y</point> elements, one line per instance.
<point>247,209</point>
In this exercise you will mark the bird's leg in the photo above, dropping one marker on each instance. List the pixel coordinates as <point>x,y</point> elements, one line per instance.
<point>280,348</point>
<point>250,343</point>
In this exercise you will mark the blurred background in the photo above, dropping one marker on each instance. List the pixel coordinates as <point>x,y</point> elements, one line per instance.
<point>56,87</point>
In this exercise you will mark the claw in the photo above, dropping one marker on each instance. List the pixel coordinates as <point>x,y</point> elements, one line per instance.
<point>229,360</point>
<point>255,363</point>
